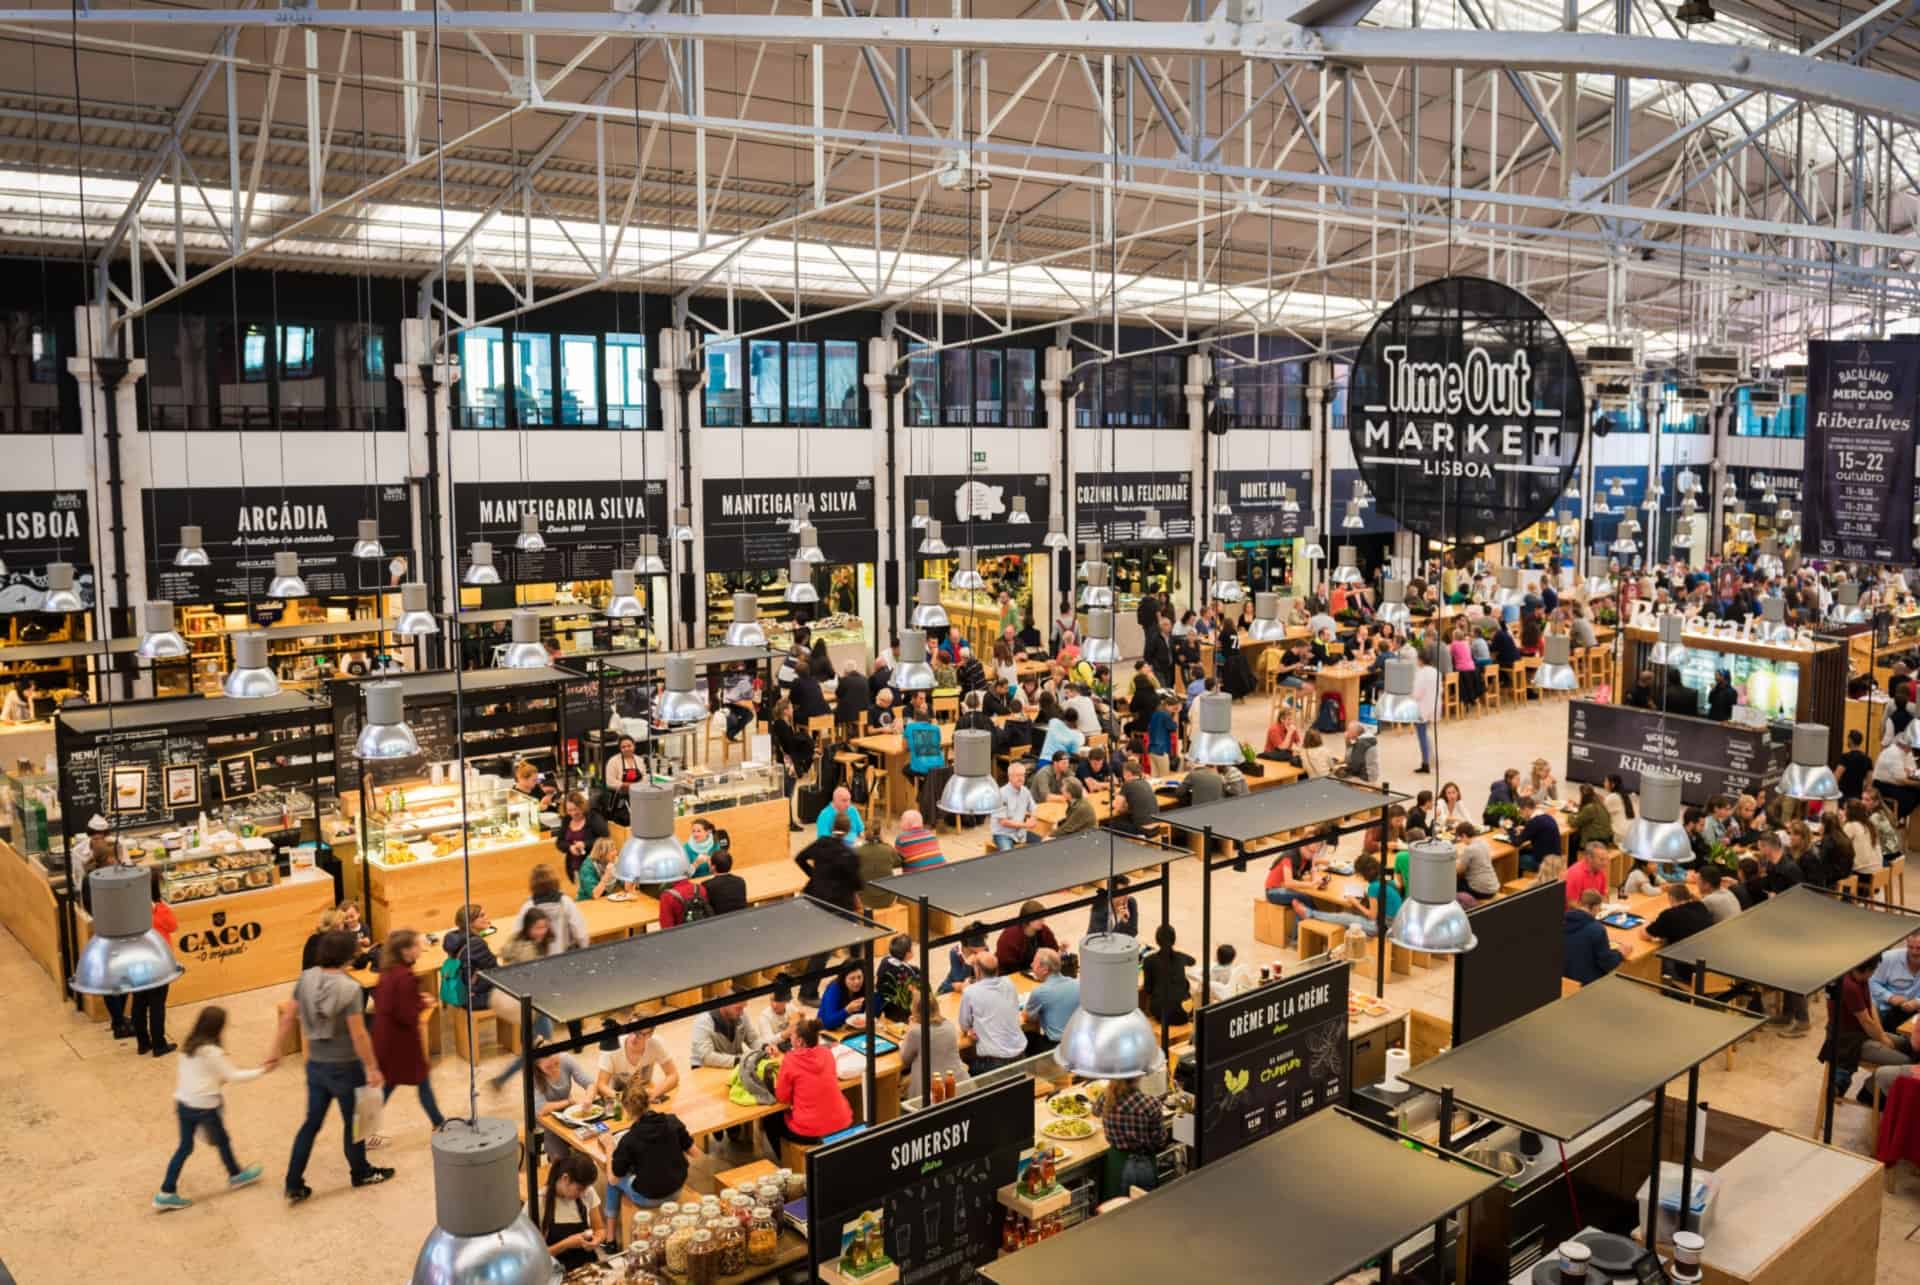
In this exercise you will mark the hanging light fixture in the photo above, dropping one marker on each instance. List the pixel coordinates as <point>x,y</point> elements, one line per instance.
<point>1630,523</point>
<point>1682,538</point>
<point>1431,918</point>
<point>1393,604</point>
<point>683,702</point>
<point>1784,516</point>
<point>385,735</point>
<point>1654,489</point>
<point>1108,1036</point>
<point>932,546</point>
<point>922,514</point>
<point>190,553</point>
<point>911,672</point>
<point>1616,486</point>
<point>970,791</point>
<point>1808,776</point>
<point>482,1230</point>
<point>1573,487</point>
<point>367,545</point>
<point>1221,509</point>
<point>928,612</point>
<point>529,540</point>
<point>1601,509</point>
<point>1348,571</point>
<point>1017,515</point>
<point>800,583</point>
<point>1150,529</point>
<point>1096,592</point>
<point>1774,627</point>
<point>1846,604</point>
<point>1214,743</point>
<point>1555,672</point>
<point>126,954</point>
<point>801,515</point>
<point>250,679</point>
<point>1226,582</point>
<point>1507,591</point>
<point>159,640</point>
<point>745,629</point>
<point>1729,492</point>
<point>1766,559</point>
<point>480,565</point>
<point>526,651</point>
<point>649,562</point>
<point>651,854</point>
<point>1670,650</point>
<point>1568,528</point>
<point>1599,576</point>
<point>1623,544</point>
<point>1310,537</point>
<point>61,595</point>
<point>1657,834</point>
<point>415,621</point>
<point>1267,625</point>
<point>1099,646</point>
<point>1361,495</point>
<point>1212,555</point>
<point>1767,494</point>
<point>287,581</point>
<point>810,550</point>
<point>681,532</point>
<point>624,604</point>
<point>1396,703</point>
<point>1289,503</point>
<point>1353,521</point>
<point>1688,505</point>
<point>1056,538</point>
<point>966,571</point>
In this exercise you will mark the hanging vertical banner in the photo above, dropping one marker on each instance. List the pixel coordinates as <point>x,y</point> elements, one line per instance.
<point>1860,440</point>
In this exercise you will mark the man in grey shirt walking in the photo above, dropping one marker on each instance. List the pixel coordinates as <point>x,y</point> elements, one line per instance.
<point>340,1059</point>
<point>990,1012</point>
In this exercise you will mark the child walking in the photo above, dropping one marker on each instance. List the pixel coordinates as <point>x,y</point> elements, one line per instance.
<point>197,1098</point>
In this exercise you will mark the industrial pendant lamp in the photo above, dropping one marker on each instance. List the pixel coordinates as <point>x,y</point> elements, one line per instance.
<point>649,562</point>
<point>1767,494</point>
<point>1289,502</point>
<point>651,853</point>
<point>1573,487</point>
<point>1099,646</point>
<point>1393,604</point>
<point>966,571</point>
<point>526,651</point>
<point>1654,489</point>
<point>683,702</point>
<point>1774,627</point>
<point>1396,703</point>
<point>415,621</point>
<point>1431,918</point>
<point>190,553</point>
<point>1220,507</point>
<point>1568,527</point>
<point>1353,521</point>
<point>1688,505</point>
<point>1729,493</point>
<point>385,734</point>
<point>1310,537</point>
<point>287,581</point>
<point>1096,592</point>
<point>1623,544</point>
<point>158,638</point>
<point>801,515</point>
<point>480,570</point>
<point>624,604</point>
<point>1211,556</point>
<point>746,629</point>
<point>1766,559</point>
<point>529,539</point>
<point>1616,486</point>
<point>125,955</point>
<point>970,791</point>
<point>1670,650</point>
<point>1267,625</point>
<point>1056,538</point>
<point>810,550</point>
<point>1226,582</point>
<point>367,545</point>
<point>922,514</point>
<point>1784,516</point>
<point>1599,576</point>
<point>482,1230</point>
<point>1846,604</point>
<point>1150,529</point>
<point>931,545</point>
<point>1808,776</point>
<point>1555,672</point>
<point>1630,523</point>
<point>928,612</point>
<point>681,532</point>
<point>1018,515</point>
<point>1214,743</point>
<point>250,679</point>
<point>911,672</point>
<point>1601,509</point>
<point>1348,571</point>
<point>1507,592</point>
<point>1657,834</point>
<point>800,588</point>
<point>1682,538</point>
<point>1108,1036</point>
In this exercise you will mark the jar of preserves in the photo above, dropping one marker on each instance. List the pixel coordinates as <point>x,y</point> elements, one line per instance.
<point>795,1183</point>
<point>876,1241</point>
<point>740,1205</point>
<point>763,1237</point>
<point>731,1239</point>
<point>703,1260</point>
<point>678,1244</point>
<point>773,1195</point>
<point>668,1211</point>
<point>953,1086</point>
<point>657,1243</point>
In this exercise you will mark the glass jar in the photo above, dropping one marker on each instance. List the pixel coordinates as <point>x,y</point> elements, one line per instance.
<point>763,1237</point>
<point>740,1206</point>
<point>773,1195</point>
<point>678,1244</point>
<point>795,1183</point>
<point>669,1210</point>
<point>657,1243</point>
<point>732,1243</point>
<point>709,1208</point>
<point>703,1260</point>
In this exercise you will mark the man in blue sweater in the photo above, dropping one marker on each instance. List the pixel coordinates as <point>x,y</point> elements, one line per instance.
<point>1589,951</point>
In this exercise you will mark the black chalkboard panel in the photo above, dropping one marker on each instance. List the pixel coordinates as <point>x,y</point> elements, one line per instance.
<point>89,776</point>
<point>934,1173</point>
<point>1271,1057</point>
<point>1709,757</point>
<point>1516,967</point>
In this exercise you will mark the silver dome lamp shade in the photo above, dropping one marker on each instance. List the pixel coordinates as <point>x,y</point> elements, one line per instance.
<point>1766,559</point>
<point>1555,673</point>
<point>970,791</point>
<point>526,651</point>
<point>1089,554</point>
<point>1056,538</point>
<point>1846,604</point>
<point>1267,625</point>
<point>1018,515</point>
<point>651,853</point>
<point>125,955</point>
<point>1767,494</point>
<point>159,640</point>
<point>1573,487</point>
<point>61,595</point>
<point>1657,834</point>
<point>624,603</point>
<point>367,543</point>
<point>928,612</point>
<point>191,552</point>
<point>1096,592</point>
<point>1630,523</point>
<point>1099,647</point>
<point>1784,516</point>
<point>385,734</point>
<point>1150,528</point>
<point>1211,556</point>
<point>1670,649</point>
<point>966,571</point>
<point>911,672</point>
<point>1396,703</point>
<point>480,568</point>
<point>746,629</point>
<point>1221,509</point>
<point>1214,742</point>
<point>287,581</point>
<point>681,532</point>
<point>1729,493</point>
<point>1289,501</point>
<point>1393,604</point>
<point>1599,576</point>
<point>801,515</point>
<point>415,620</point>
<point>1616,486</point>
<point>922,514</point>
<point>649,562</point>
<point>1654,489</point>
<point>932,545</point>
<point>1601,509</point>
<point>1688,505</point>
<point>800,588</point>
<point>1507,591</point>
<point>529,539</point>
<point>1353,521</point>
<point>1569,526</point>
<point>1348,571</point>
<point>1109,1037</point>
<point>250,679</point>
<point>683,702</point>
<point>810,549</point>
<point>1623,544</point>
<point>1682,538</point>
<point>1226,582</point>
<point>482,1230</point>
<point>1310,538</point>
<point>1774,627</point>
<point>1808,776</point>
<point>1431,918</point>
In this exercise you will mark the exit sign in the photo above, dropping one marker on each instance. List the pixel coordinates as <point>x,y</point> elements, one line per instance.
<point>979,457</point>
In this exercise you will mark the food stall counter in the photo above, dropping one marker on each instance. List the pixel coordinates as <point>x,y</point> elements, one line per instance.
<point>414,841</point>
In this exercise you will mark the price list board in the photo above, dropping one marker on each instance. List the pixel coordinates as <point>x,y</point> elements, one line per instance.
<point>122,776</point>
<point>1709,757</point>
<point>1861,403</point>
<point>1271,1057</point>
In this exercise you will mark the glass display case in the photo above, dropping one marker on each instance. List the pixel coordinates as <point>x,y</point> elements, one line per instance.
<point>30,810</point>
<point>698,791</point>
<point>1772,687</point>
<point>222,863</point>
<point>412,821</point>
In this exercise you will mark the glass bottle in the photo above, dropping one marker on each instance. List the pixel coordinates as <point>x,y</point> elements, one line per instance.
<point>953,1087</point>
<point>876,1240</point>
<point>703,1260</point>
<point>732,1244</point>
<point>763,1237</point>
<point>773,1195</point>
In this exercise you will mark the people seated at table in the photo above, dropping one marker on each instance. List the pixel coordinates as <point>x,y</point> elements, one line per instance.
<point>1228,976</point>
<point>1114,910</point>
<point>1063,733</point>
<point>1013,821</point>
<point>877,859</point>
<point>915,844</point>
<point>571,1221</point>
<point>1506,791</point>
<point>1855,1034</point>
<point>1315,759</point>
<point>1552,870</point>
<point>1683,917</point>
<point>1019,942</point>
<point>1080,814</point>
<point>1096,768</point>
<point>344,917</point>
<point>842,806</point>
<point>1541,785</point>
<point>596,872</point>
<point>843,1003</point>
<point>1362,762</point>
<point>1592,870</point>
<point>1137,808</point>
<point>1293,871</point>
<point>580,828</point>
<point>990,1013</point>
<point>1539,835</point>
<point>1893,777</point>
<point>721,1036</point>
<point>544,894</point>
<point>725,891</point>
<point>895,979</point>
<point>683,901</point>
<point>1048,780</point>
<point>1363,910</point>
<point>962,959</point>
<point>1474,875</point>
<point>1712,885</point>
<point>1590,823</point>
<point>636,1057</point>
<point>1165,992</point>
<point>1203,784</point>
<point>1643,878</point>
<point>1051,1004</point>
<point>555,1077</point>
<point>1588,953</point>
<point>944,1046</point>
<point>926,753</point>
<point>650,1162</point>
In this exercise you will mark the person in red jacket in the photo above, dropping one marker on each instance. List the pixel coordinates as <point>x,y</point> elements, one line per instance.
<point>810,1086</point>
<point>396,1023</point>
<point>677,898</point>
<point>148,1025</point>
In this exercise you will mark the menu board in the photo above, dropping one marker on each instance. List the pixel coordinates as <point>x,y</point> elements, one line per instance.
<point>1111,507</point>
<point>1860,439</point>
<point>1271,1057</point>
<point>743,520</point>
<point>976,505</point>
<point>1709,758</point>
<point>242,528</point>
<point>934,1174</point>
<point>1256,496</point>
<point>38,527</point>
<point>238,779</point>
<point>591,528</point>
<point>123,776</point>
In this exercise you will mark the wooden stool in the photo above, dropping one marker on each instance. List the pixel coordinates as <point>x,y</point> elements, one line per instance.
<point>894,916</point>
<point>1490,689</point>
<point>793,1155</point>
<point>1399,959</point>
<point>1897,878</point>
<point>1317,936</point>
<point>1450,703</point>
<point>483,1021</point>
<point>1272,924</point>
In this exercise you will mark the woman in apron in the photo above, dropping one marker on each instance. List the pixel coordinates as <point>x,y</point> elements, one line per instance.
<point>570,1219</point>
<point>621,773</point>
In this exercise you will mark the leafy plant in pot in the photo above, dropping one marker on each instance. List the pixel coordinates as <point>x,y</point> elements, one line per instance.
<point>1250,764</point>
<point>1504,815</point>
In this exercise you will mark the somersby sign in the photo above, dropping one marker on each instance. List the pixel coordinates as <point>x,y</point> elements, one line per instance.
<point>1467,411</point>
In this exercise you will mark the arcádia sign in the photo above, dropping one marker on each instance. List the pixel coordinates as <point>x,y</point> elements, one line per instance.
<point>1466,411</point>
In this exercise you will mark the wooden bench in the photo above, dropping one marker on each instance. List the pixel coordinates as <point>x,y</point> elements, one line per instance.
<point>1317,937</point>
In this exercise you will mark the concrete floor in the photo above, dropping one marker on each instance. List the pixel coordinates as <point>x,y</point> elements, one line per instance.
<point>89,1126</point>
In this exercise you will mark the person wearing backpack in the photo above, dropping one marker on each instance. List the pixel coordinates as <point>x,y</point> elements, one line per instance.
<point>468,957</point>
<point>683,902</point>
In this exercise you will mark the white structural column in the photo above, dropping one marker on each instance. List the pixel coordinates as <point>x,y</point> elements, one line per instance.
<point>881,354</point>
<point>678,409</point>
<point>91,325</point>
<point>417,344</point>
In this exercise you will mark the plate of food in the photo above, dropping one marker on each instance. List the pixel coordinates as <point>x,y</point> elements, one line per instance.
<point>1069,1130</point>
<point>1070,1105</point>
<point>618,896</point>
<point>583,1113</point>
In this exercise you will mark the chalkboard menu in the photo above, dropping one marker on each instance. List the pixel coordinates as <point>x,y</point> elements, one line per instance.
<point>1271,1057</point>
<point>1709,757</point>
<point>590,527</point>
<point>433,728</point>
<point>933,1174</point>
<point>123,776</point>
<point>238,778</point>
<point>242,529</point>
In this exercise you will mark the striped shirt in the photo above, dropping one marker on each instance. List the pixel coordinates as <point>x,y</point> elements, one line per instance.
<point>918,847</point>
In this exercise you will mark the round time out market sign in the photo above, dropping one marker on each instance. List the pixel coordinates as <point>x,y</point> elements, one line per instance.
<point>1465,411</point>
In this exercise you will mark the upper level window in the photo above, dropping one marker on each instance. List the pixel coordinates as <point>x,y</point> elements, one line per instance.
<point>628,381</point>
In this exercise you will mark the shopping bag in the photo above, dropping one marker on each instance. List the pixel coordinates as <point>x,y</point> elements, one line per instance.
<point>367,1105</point>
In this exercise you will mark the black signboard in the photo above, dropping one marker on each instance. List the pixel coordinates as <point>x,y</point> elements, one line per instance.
<point>1860,440</point>
<point>744,520</point>
<point>123,776</point>
<point>1709,758</point>
<point>1751,483</point>
<point>238,779</point>
<point>38,527</point>
<point>590,528</point>
<point>1271,1057</point>
<point>1465,411</point>
<point>242,528</point>
<point>976,506</point>
<point>1256,498</point>
<point>934,1174</point>
<point>1109,506</point>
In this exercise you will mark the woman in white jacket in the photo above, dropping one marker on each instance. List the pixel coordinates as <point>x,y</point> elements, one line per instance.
<point>203,1074</point>
<point>1426,696</point>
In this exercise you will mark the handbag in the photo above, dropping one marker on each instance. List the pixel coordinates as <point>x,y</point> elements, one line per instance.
<point>368,1103</point>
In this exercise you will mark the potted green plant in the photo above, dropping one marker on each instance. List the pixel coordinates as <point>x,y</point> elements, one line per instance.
<point>1504,815</point>
<point>1250,763</point>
